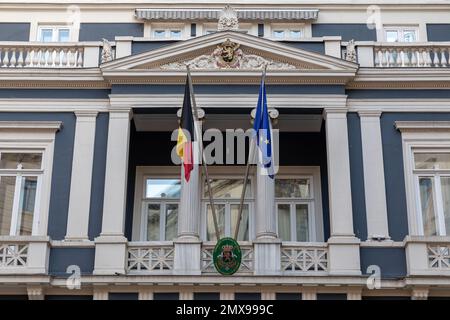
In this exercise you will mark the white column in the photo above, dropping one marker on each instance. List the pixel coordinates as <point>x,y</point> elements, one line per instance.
<point>343,246</point>
<point>110,252</point>
<point>267,244</point>
<point>374,186</point>
<point>80,185</point>
<point>188,245</point>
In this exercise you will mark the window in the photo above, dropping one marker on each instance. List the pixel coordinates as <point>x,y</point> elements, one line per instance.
<point>400,34</point>
<point>287,32</point>
<point>20,175</point>
<point>54,34</point>
<point>160,208</point>
<point>167,33</point>
<point>226,194</point>
<point>432,178</point>
<point>295,206</point>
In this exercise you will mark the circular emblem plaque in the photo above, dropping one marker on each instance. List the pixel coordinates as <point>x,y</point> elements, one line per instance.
<point>227,256</point>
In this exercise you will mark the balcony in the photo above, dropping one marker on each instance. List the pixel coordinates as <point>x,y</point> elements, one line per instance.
<point>402,55</point>
<point>428,255</point>
<point>297,259</point>
<point>50,55</point>
<point>24,254</point>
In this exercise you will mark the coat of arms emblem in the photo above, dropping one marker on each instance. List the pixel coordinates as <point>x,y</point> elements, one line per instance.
<point>227,256</point>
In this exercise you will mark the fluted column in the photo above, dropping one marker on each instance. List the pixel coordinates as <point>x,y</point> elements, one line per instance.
<point>343,246</point>
<point>110,252</point>
<point>188,244</point>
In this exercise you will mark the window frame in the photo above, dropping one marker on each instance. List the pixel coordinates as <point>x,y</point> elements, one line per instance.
<point>304,29</point>
<point>32,137</point>
<point>401,29</point>
<point>292,202</point>
<point>55,35</point>
<point>215,173</point>
<point>150,28</point>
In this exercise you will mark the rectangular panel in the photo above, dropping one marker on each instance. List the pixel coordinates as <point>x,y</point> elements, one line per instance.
<point>220,214</point>
<point>171,221</point>
<point>302,227</point>
<point>436,161</point>
<point>292,188</point>
<point>284,222</point>
<point>13,160</point>
<point>27,205</point>
<point>153,218</point>
<point>7,187</point>
<point>243,234</point>
<point>227,188</point>
<point>163,188</point>
<point>426,187</point>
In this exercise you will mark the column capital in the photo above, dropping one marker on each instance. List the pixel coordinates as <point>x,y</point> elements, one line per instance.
<point>200,113</point>
<point>86,113</point>
<point>370,113</point>
<point>120,112</point>
<point>334,112</point>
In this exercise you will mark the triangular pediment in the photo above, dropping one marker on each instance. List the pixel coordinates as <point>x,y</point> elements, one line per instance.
<point>229,52</point>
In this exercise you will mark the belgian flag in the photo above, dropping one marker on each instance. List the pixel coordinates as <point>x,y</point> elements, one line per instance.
<point>186,133</point>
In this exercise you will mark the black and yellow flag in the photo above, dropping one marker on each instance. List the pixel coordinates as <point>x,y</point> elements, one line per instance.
<point>186,133</point>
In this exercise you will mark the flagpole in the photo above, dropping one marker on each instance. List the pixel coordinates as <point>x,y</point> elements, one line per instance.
<point>247,169</point>
<point>204,164</point>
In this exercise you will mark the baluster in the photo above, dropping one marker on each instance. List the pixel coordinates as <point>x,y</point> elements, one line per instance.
<point>72,59</point>
<point>42,57</point>
<point>54,57</point>
<point>58,58</point>
<point>383,58</point>
<point>414,58</point>
<point>80,58</point>
<point>64,58</point>
<point>27,61</point>
<point>6,58</point>
<point>398,60</point>
<point>443,58</point>
<point>436,57</point>
<point>427,57</point>
<point>392,58</point>
<point>377,58</point>
<point>20,58</point>
<point>35,59</point>
<point>13,60</point>
<point>406,60</point>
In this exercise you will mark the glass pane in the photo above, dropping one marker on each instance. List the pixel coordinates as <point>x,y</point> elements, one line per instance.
<point>220,214</point>
<point>432,160</point>
<point>284,222</point>
<point>153,211</point>
<point>295,34</point>
<point>175,34</point>
<point>301,211</point>
<point>7,187</point>
<point>278,34</point>
<point>243,234</point>
<point>391,36</point>
<point>445,186</point>
<point>26,205</point>
<point>409,36</point>
<point>163,188</point>
<point>20,160</point>
<point>64,35</point>
<point>46,35</point>
<point>227,188</point>
<point>292,188</point>
<point>159,34</point>
<point>427,206</point>
<point>171,221</point>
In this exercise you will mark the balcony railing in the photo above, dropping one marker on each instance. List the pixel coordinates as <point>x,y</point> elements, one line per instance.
<point>13,255</point>
<point>247,256</point>
<point>150,258</point>
<point>304,258</point>
<point>439,256</point>
<point>49,55</point>
<point>403,55</point>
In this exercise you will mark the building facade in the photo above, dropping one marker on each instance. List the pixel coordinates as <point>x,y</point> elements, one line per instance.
<point>93,207</point>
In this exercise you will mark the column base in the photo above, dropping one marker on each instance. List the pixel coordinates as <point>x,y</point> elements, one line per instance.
<point>187,260</point>
<point>343,256</point>
<point>267,256</point>
<point>110,255</point>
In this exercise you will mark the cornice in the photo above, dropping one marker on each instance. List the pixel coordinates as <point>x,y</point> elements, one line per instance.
<point>404,126</point>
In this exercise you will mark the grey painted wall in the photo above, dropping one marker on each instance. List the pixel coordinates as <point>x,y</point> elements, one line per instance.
<point>357,176</point>
<point>392,261</point>
<point>140,46</point>
<point>318,47</point>
<point>97,31</point>
<point>98,175</point>
<point>397,94</point>
<point>438,32</point>
<point>348,31</point>
<point>393,168</point>
<point>61,258</point>
<point>62,166</point>
<point>14,31</point>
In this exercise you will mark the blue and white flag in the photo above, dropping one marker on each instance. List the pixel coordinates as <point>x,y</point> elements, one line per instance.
<point>262,127</point>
